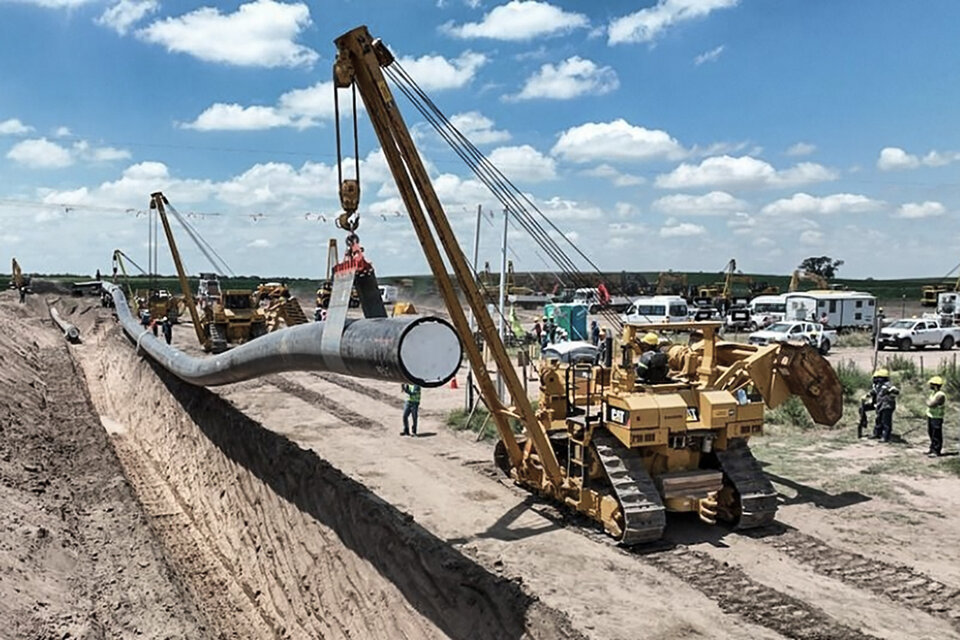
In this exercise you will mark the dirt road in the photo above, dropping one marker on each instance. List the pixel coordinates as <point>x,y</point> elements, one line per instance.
<point>290,507</point>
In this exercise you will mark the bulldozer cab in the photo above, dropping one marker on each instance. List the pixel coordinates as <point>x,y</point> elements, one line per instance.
<point>237,300</point>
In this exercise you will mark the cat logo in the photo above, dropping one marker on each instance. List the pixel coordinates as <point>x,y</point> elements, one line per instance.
<point>616,415</point>
<point>693,415</point>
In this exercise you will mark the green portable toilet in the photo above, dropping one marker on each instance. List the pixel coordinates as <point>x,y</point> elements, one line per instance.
<point>570,317</point>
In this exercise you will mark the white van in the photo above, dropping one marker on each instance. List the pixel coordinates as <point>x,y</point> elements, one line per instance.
<point>388,293</point>
<point>657,309</point>
<point>842,309</point>
<point>765,310</point>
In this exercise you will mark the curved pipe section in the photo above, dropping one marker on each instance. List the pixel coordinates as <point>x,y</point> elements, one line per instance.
<point>70,331</point>
<point>413,350</point>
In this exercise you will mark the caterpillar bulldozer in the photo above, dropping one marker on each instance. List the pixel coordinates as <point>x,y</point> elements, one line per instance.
<point>279,306</point>
<point>600,440</point>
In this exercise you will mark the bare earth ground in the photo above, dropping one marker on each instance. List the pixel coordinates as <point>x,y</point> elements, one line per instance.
<point>290,508</point>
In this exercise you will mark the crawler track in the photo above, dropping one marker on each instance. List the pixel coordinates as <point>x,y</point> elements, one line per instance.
<point>644,517</point>
<point>897,582</point>
<point>758,498</point>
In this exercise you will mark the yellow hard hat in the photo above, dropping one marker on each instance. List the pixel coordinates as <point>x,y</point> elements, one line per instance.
<point>937,380</point>
<point>650,338</point>
<point>881,373</point>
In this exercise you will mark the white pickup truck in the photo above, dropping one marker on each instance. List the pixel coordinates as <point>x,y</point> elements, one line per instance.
<point>812,333</point>
<point>918,333</point>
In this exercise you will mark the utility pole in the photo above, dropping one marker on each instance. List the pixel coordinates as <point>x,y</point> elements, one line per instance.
<point>501,322</point>
<point>473,322</point>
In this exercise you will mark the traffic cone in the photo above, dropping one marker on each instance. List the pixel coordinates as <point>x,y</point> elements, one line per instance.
<point>453,384</point>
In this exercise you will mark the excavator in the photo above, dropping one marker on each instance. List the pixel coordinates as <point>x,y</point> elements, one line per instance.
<point>19,281</point>
<point>600,440</point>
<point>223,317</point>
<point>818,281</point>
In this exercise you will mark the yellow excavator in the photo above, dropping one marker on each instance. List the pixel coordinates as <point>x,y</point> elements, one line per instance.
<point>224,317</point>
<point>19,281</point>
<point>669,283</point>
<point>819,282</point>
<point>600,440</point>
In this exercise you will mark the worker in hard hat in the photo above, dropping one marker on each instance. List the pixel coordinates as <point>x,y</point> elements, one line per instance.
<point>652,367</point>
<point>883,398</point>
<point>936,408</point>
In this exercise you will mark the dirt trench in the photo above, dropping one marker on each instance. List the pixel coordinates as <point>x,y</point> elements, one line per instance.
<point>77,556</point>
<point>276,542</point>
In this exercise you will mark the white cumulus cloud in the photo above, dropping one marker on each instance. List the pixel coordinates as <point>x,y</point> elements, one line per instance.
<point>40,154</point>
<point>234,117</point>
<point>520,20</point>
<point>914,210</point>
<point>676,229</point>
<point>523,163</point>
<point>713,203</point>
<point>648,23</point>
<point>573,77</point>
<point>616,141</point>
<point>800,204</point>
<point>299,108</point>
<point>13,127</point>
<point>895,158</point>
<point>742,172</point>
<point>126,13</point>
<point>261,33</point>
<point>478,128</point>
<point>435,73</point>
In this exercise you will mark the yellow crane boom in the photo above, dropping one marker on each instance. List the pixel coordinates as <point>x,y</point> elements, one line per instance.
<point>359,63</point>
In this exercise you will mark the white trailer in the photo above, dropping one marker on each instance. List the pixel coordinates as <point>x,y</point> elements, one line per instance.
<point>841,309</point>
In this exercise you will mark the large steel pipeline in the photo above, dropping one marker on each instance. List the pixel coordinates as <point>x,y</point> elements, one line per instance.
<point>414,350</point>
<point>70,331</point>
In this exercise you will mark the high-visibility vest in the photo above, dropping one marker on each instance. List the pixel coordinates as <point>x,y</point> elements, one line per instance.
<point>939,410</point>
<point>413,393</point>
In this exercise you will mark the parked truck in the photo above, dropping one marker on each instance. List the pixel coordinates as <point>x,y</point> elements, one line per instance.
<point>917,333</point>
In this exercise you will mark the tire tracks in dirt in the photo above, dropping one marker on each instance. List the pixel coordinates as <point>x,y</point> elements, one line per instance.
<point>374,394</point>
<point>734,591</point>
<point>896,582</point>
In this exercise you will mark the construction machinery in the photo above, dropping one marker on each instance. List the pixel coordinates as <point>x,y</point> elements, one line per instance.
<point>819,282</point>
<point>19,281</point>
<point>159,303</point>
<point>223,317</point>
<point>670,283</point>
<point>600,441</point>
<point>279,305</point>
<point>326,285</point>
<point>930,293</point>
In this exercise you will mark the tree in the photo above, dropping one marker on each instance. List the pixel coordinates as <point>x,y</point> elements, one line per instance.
<point>823,266</point>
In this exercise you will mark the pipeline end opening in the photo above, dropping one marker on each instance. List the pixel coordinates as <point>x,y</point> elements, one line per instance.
<point>430,352</point>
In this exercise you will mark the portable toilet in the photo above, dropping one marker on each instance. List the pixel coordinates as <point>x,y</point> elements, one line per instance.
<point>570,317</point>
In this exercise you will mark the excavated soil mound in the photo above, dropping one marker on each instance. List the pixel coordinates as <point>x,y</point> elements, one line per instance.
<point>273,540</point>
<point>77,557</point>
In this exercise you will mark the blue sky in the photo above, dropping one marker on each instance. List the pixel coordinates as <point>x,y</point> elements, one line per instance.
<point>658,134</point>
